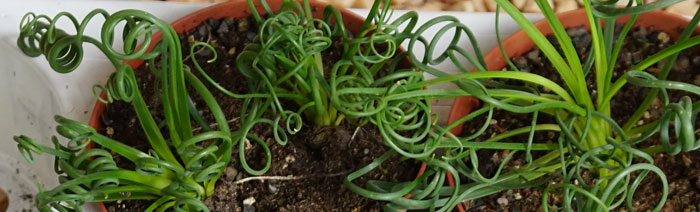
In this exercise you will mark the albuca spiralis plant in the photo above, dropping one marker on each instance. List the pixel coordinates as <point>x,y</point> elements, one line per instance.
<point>182,167</point>
<point>174,179</point>
<point>592,141</point>
<point>285,64</point>
<point>589,141</point>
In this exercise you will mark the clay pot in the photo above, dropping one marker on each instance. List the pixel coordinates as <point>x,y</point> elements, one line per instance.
<point>230,9</point>
<point>4,201</point>
<point>519,44</point>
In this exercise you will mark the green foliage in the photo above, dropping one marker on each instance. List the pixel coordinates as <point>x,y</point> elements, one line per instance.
<point>371,84</point>
<point>283,63</point>
<point>589,140</point>
<point>174,179</point>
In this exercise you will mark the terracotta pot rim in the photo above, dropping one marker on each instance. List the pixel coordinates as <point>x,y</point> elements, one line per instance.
<point>234,9</point>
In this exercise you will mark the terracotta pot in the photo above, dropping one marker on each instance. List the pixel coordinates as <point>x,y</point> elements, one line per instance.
<point>230,9</point>
<point>519,44</point>
<point>4,201</point>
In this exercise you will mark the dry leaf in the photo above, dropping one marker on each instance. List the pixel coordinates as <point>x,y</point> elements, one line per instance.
<point>520,4</point>
<point>687,8</point>
<point>564,5</point>
<point>465,6</point>
<point>479,5</point>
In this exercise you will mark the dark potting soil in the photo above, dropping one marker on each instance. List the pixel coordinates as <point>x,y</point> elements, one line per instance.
<point>682,170</point>
<point>310,169</point>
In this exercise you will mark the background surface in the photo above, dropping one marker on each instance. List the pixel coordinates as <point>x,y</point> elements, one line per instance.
<point>687,7</point>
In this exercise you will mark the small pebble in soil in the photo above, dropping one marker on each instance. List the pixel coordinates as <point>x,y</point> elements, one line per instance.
<point>672,187</point>
<point>230,22</point>
<point>231,51</point>
<point>247,144</point>
<point>647,115</point>
<point>223,28</point>
<point>502,201</point>
<point>517,196</point>
<point>248,204</point>
<point>203,30</point>
<point>663,37</point>
<point>366,151</point>
<point>641,33</point>
<point>230,173</point>
<point>109,131</point>
<point>697,80</point>
<point>578,31</point>
<point>273,186</point>
<point>696,60</point>
<point>656,103</point>
<point>682,64</point>
<point>239,176</point>
<point>520,61</point>
<point>289,159</point>
<point>686,160</point>
<point>533,55</point>
<point>243,25</point>
<point>190,39</point>
<point>213,22</point>
<point>637,57</point>
<point>250,35</point>
<point>205,52</point>
<point>626,58</point>
<point>495,157</point>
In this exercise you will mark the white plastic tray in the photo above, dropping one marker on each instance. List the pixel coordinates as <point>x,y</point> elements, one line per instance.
<point>31,93</point>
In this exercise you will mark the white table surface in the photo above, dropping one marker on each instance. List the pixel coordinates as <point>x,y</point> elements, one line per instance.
<point>31,93</point>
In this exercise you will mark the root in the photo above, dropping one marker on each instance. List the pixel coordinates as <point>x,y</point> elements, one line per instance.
<point>289,177</point>
<point>354,133</point>
<point>199,50</point>
<point>215,124</point>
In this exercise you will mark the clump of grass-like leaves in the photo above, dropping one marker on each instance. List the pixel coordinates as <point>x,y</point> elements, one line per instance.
<point>590,140</point>
<point>176,172</point>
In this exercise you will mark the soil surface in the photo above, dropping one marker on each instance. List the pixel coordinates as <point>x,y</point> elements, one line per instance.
<point>684,186</point>
<point>313,164</point>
